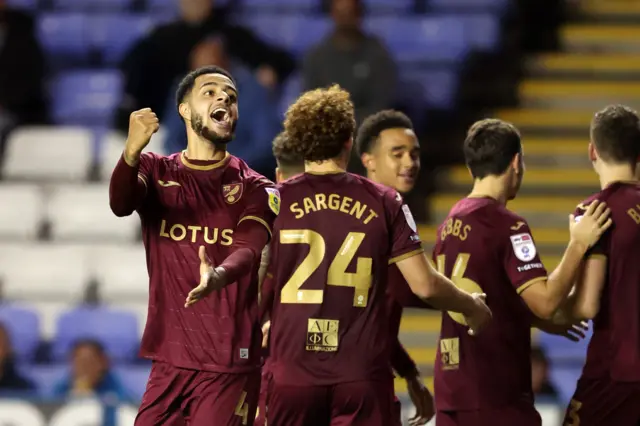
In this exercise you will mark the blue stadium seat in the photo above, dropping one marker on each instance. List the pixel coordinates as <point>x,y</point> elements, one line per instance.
<point>23,327</point>
<point>45,377</point>
<point>23,4</point>
<point>64,36</point>
<point>436,88</point>
<point>293,32</point>
<point>562,351</point>
<point>134,379</point>
<point>250,6</point>
<point>468,5</point>
<point>565,380</point>
<point>92,5</point>
<point>386,6</point>
<point>113,35</point>
<point>116,330</point>
<point>85,97</point>
<point>421,40</point>
<point>173,5</point>
<point>290,92</point>
<point>482,31</point>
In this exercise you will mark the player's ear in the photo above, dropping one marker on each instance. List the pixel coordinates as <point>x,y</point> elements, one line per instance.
<point>185,111</point>
<point>368,161</point>
<point>593,154</point>
<point>516,162</point>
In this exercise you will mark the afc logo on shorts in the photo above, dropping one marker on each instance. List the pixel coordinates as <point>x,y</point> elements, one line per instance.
<point>450,353</point>
<point>322,335</point>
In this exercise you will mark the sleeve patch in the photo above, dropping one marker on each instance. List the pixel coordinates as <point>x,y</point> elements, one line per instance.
<point>523,247</point>
<point>410,221</point>
<point>274,200</point>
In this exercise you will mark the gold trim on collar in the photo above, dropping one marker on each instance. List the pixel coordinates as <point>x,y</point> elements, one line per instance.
<point>185,161</point>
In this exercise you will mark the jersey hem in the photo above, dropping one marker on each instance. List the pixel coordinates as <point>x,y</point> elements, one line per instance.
<point>405,256</point>
<point>529,283</point>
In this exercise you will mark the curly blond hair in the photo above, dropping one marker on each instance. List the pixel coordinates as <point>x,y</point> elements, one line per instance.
<point>319,124</point>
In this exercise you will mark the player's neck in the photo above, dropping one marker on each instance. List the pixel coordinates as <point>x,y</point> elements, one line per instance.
<point>324,167</point>
<point>199,149</point>
<point>616,173</point>
<point>490,187</point>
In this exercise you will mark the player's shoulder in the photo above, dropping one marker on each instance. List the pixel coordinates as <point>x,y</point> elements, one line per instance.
<point>376,189</point>
<point>246,175</point>
<point>153,159</point>
<point>602,195</point>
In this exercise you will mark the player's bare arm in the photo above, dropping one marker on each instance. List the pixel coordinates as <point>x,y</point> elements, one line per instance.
<point>544,297</point>
<point>584,301</point>
<point>441,293</point>
<point>128,185</point>
<point>420,396</point>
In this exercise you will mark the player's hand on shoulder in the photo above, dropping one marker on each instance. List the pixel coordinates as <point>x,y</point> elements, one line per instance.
<point>574,331</point>
<point>422,400</point>
<point>142,125</point>
<point>480,315</point>
<point>588,228</point>
<point>211,279</point>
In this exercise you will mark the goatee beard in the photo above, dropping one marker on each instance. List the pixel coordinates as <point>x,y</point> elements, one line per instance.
<point>197,124</point>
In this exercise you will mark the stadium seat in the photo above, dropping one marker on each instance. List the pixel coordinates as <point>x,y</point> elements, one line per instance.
<point>86,97</point>
<point>23,4</point>
<point>138,308</point>
<point>21,212</point>
<point>116,330</point>
<point>64,36</point>
<point>436,88</point>
<point>44,272</point>
<point>423,40</point>
<point>46,377</point>
<point>134,379</point>
<point>290,92</point>
<point>113,35</point>
<point>253,6</point>
<point>48,153</point>
<point>482,31</point>
<point>23,326</point>
<point>112,145</point>
<point>121,272</point>
<point>82,213</point>
<point>468,5</point>
<point>92,5</point>
<point>386,6</point>
<point>563,352</point>
<point>565,380</point>
<point>293,32</point>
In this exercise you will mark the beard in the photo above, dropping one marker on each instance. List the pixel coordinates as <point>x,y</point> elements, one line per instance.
<point>197,125</point>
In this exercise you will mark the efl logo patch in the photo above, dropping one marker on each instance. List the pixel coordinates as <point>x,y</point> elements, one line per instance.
<point>232,192</point>
<point>274,200</point>
<point>523,247</point>
<point>410,221</point>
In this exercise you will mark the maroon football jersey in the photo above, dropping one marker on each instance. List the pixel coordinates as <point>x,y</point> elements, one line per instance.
<point>333,241</point>
<point>483,247</point>
<point>614,349</point>
<point>188,204</point>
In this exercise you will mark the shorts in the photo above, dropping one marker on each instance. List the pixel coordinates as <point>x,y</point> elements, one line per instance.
<point>178,396</point>
<point>603,402</point>
<point>262,401</point>
<point>508,415</point>
<point>344,404</point>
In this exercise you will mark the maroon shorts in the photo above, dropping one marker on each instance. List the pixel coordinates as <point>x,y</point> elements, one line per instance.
<point>603,402</point>
<point>345,404</point>
<point>262,401</point>
<point>177,396</point>
<point>509,415</point>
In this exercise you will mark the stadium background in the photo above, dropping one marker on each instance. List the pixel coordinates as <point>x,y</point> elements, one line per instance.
<point>69,269</point>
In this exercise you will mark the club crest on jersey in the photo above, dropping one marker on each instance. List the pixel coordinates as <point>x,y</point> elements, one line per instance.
<point>232,192</point>
<point>274,200</point>
<point>523,247</point>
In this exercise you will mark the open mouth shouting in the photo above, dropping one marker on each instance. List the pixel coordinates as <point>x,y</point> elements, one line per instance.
<point>222,118</point>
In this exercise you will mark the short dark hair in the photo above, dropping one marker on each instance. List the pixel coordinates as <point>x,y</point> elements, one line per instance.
<point>490,146</point>
<point>615,131</point>
<point>283,156</point>
<point>187,82</point>
<point>319,124</point>
<point>375,124</point>
<point>92,343</point>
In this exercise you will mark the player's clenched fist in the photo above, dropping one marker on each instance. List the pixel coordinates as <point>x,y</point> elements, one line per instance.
<point>588,228</point>
<point>480,315</point>
<point>142,125</point>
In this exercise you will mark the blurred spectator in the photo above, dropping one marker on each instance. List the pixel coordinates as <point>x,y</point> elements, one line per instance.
<point>22,71</point>
<point>357,61</point>
<point>90,374</point>
<point>154,62</point>
<point>258,123</point>
<point>540,383</point>
<point>10,380</point>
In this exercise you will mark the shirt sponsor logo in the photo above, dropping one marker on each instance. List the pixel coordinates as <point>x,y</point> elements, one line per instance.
<point>274,200</point>
<point>450,353</point>
<point>232,192</point>
<point>322,335</point>
<point>523,247</point>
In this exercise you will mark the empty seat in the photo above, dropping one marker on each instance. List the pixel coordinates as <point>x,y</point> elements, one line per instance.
<point>468,5</point>
<point>112,145</point>
<point>48,312</point>
<point>21,211</point>
<point>116,330</point>
<point>139,308</point>
<point>134,379</point>
<point>414,39</point>
<point>482,31</point>
<point>82,213</point>
<point>436,88</point>
<point>121,272</point>
<point>44,272</point>
<point>280,5</point>
<point>294,32</point>
<point>86,97</point>
<point>23,326</point>
<point>23,4</point>
<point>92,5</point>
<point>384,6</point>
<point>64,36</point>
<point>48,153</point>
<point>113,35</point>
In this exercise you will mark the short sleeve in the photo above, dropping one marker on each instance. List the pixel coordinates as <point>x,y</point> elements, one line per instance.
<point>262,203</point>
<point>521,260</point>
<point>599,249</point>
<point>405,241</point>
